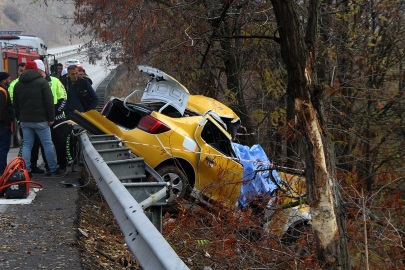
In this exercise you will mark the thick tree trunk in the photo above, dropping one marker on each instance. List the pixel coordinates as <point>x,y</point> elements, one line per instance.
<point>298,52</point>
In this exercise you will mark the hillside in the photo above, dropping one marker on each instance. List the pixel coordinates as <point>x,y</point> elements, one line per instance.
<point>52,23</point>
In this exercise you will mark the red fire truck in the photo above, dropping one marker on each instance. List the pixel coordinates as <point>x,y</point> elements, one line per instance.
<point>20,49</point>
<point>17,48</point>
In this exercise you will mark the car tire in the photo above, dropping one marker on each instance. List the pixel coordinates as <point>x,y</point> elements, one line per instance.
<point>178,182</point>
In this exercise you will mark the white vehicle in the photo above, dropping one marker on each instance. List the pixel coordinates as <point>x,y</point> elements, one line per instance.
<point>26,42</point>
<point>29,40</point>
<point>71,62</point>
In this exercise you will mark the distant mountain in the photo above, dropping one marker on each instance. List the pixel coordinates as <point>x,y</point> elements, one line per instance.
<point>52,23</point>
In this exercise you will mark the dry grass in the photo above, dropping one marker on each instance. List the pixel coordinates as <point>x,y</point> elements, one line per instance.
<point>215,238</point>
<point>222,238</point>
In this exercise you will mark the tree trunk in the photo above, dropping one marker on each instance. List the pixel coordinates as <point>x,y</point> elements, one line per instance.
<point>298,52</point>
<point>292,146</point>
<point>233,72</point>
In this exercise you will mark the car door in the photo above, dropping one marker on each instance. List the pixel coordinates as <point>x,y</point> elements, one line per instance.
<point>219,175</point>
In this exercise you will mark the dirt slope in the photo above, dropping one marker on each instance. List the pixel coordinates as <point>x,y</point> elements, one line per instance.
<point>50,22</point>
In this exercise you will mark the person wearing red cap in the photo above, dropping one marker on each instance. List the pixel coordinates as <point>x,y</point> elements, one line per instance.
<point>82,74</point>
<point>34,107</point>
<point>37,144</point>
<point>6,119</point>
<point>60,130</point>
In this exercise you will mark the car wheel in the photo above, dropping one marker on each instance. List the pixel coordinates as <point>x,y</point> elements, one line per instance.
<point>178,182</point>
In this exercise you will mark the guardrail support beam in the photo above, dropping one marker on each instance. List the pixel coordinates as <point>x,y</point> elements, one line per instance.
<point>144,240</point>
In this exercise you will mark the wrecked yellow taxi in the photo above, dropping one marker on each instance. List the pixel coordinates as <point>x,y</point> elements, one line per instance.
<point>185,138</point>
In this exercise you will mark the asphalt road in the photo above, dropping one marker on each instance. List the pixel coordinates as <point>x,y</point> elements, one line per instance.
<point>41,233</point>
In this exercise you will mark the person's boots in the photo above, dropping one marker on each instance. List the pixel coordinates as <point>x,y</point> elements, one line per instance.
<point>35,169</point>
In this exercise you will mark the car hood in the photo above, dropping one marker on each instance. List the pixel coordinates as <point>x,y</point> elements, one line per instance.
<point>203,105</point>
<point>221,113</point>
<point>163,88</point>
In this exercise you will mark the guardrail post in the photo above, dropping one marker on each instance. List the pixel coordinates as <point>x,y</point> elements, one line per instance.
<point>127,169</point>
<point>152,196</point>
<point>142,237</point>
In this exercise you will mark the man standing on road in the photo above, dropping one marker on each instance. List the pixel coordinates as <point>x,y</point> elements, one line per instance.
<point>80,95</point>
<point>37,143</point>
<point>59,130</point>
<point>6,120</point>
<point>59,68</point>
<point>33,104</point>
<point>20,70</point>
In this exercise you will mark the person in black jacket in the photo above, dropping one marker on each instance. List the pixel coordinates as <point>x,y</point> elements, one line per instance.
<point>37,143</point>
<point>34,107</point>
<point>6,119</point>
<point>59,69</point>
<point>80,94</point>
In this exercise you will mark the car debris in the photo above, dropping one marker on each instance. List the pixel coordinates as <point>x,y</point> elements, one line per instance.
<point>187,139</point>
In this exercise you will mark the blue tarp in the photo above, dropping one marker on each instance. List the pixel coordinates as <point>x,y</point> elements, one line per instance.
<point>261,185</point>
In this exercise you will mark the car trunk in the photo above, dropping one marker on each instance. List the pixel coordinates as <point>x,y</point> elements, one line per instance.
<point>116,112</point>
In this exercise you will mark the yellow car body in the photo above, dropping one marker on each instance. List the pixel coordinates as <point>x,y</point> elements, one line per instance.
<point>187,139</point>
<point>192,136</point>
<point>288,209</point>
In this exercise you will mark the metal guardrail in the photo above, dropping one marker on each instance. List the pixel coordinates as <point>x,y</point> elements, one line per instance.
<point>69,52</point>
<point>65,52</point>
<point>141,235</point>
<point>103,90</point>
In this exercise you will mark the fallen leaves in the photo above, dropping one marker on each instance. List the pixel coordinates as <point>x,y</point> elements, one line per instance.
<point>100,238</point>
